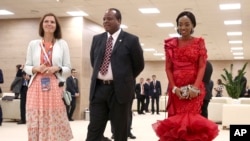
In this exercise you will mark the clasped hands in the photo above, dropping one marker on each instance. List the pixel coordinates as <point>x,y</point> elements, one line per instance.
<point>46,70</point>
<point>187,92</point>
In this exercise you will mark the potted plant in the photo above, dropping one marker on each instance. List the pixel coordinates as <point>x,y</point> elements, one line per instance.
<point>233,85</point>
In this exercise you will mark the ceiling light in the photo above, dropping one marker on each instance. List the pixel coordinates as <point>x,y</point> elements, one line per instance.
<point>5,12</point>
<point>174,35</point>
<point>237,53</point>
<point>236,48</point>
<point>142,44</point>
<point>77,13</point>
<point>123,26</point>
<point>235,42</point>
<point>149,10</point>
<point>148,49</point>
<point>165,24</point>
<point>230,6</point>
<point>158,54</point>
<point>232,22</point>
<point>238,57</point>
<point>234,33</point>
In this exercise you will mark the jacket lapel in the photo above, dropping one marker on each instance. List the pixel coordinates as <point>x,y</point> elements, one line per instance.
<point>118,41</point>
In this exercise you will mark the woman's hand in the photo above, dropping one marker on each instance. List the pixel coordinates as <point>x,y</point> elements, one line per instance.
<point>52,70</point>
<point>179,93</point>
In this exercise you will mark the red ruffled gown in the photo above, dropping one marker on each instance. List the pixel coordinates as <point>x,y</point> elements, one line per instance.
<point>184,122</point>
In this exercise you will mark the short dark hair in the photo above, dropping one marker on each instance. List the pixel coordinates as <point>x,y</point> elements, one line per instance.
<point>72,70</point>
<point>190,15</point>
<point>57,33</point>
<point>118,14</point>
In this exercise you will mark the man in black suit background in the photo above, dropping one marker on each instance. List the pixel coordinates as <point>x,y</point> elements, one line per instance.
<point>115,67</point>
<point>155,92</point>
<point>23,94</point>
<point>1,82</point>
<point>72,87</point>
<point>208,87</point>
<point>140,96</point>
<point>147,94</point>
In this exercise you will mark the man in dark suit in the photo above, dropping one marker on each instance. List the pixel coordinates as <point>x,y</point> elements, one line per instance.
<point>23,93</point>
<point>117,59</point>
<point>208,87</point>
<point>147,94</point>
<point>140,96</point>
<point>72,87</point>
<point>155,93</point>
<point>1,81</point>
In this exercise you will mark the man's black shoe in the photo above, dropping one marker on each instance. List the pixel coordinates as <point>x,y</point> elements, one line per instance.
<point>21,122</point>
<point>71,119</point>
<point>106,139</point>
<point>131,136</point>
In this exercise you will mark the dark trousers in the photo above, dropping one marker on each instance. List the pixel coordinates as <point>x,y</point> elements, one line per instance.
<point>1,115</point>
<point>153,100</point>
<point>204,106</point>
<point>140,104</point>
<point>103,107</point>
<point>146,103</point>
<point>23,93</point>
<point>71,108</point>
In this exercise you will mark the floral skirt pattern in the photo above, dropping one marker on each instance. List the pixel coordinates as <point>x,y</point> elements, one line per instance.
<point>46,113</point>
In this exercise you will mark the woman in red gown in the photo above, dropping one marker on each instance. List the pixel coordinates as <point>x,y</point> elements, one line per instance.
<point>185,65</point>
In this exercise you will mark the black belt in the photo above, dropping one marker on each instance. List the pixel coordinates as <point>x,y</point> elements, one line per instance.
<point>105,82</point>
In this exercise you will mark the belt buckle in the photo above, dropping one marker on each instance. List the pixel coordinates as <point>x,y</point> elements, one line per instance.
<point>105,82</point>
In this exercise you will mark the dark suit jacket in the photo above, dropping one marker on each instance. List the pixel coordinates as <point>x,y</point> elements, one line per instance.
<point>126,60</point>
<point>71,87</point>
<point>1,77</point>
<point>138,90</point>
<point>146,89</point>
<point>157,87</point>
<point>206,79</point>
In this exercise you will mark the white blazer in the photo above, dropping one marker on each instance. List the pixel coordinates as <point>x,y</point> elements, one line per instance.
<point>60,57</point>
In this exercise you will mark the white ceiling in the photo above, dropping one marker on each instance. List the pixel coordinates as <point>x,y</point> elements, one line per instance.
<point>209,17</point>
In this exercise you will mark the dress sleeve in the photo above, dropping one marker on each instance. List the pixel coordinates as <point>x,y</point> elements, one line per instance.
<point>201,62</point>
<point>168,63</point>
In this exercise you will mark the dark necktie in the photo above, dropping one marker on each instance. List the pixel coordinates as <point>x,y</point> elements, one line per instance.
<point>106,59</point>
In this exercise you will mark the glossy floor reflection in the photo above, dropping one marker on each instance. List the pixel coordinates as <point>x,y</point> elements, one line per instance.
<point>142,129</point>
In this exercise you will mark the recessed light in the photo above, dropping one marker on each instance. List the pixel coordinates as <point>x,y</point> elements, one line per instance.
<point>149,10</point>
<point>123,26</point>
<point>5,12</point>
<point>238,57</point>
<point>230,6</point>
<point>237,53</point>
<point>174,35</point>
<point>236,48</point>
<point>232,22</point>
<point>158,54</point>
<point>77,13</point>
<point>148,49</point>
<point>234,33</point>
<point>235,42</point>
<point>165,24</point>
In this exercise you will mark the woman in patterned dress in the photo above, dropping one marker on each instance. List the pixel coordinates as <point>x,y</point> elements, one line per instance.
<point>48,61</point>
<point>185,66</point>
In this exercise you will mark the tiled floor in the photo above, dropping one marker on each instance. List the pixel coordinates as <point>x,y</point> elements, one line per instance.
<point>10,131</point>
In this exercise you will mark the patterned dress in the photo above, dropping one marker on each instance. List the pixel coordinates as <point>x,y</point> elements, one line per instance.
<point>185,122</point>
<point>45,111</point>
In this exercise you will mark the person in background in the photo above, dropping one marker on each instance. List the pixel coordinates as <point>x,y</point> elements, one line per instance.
<point>113,78</point>
<point>247,92</point>
<point>208,87</point>
<point>17,82</point>
<point>1,82</point>
<point>185,66</point>
<point>23,93</point>
<point>48,63</point>
<point>155,93</point>
<point>219,88</point>
<point>72,87</point>
<point>140,95</point>
<point>147,94</point>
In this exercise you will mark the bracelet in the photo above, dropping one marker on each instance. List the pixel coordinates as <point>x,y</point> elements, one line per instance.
<point>173,90</point>
<point>190,87</point>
